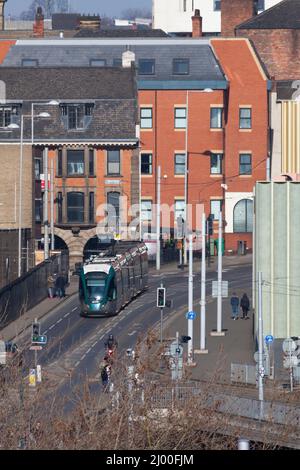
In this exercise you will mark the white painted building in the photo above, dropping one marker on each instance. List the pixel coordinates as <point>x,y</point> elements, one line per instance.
<point>174,16</point>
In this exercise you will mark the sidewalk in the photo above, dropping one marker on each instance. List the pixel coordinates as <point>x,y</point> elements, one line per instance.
<point>227,261</point>
<point>15,328</point>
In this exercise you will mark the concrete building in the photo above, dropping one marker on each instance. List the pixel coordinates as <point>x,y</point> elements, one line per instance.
<point>277,256</point>
<point>174,16</point>
<point>91,138</point>
<point>227,127</point>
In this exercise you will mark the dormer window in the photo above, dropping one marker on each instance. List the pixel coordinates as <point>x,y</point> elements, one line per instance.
<point>77,116</point>
<point>30,62</point>
<point>9,115</point>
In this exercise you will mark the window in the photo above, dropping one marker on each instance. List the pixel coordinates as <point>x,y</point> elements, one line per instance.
<point>91,162</point>
<point>260,5</point>
<point>113,200</point>
<point>75,162</point>
<point>215,208</point>
<point>75,207</point>
<point>146,163</point>
<point>179,163</point>
<point>181,66</point>
<point>59,163</point>
<point>77,116</point>
<point>9,115</point>
<point>117,62</point>
<point>180,118</point>
<point>113,162</point>
<point>146,118</point>
<point>59,207</point>
<point>38,210</point>
<point>243,216</point>
<point>91,207</point>
<point>216,118</point>
<point>245,118</point>
<point>146,66</point>
<point>30,62</point>
<point>245,164</point>
<point>217,5</point>
<point>179,209</point>
<point>37,168</point>
<point>146,210</point>
<point>216,163</point>
<point>97,62</point>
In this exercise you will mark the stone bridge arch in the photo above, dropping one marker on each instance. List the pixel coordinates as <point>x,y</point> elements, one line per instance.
<point>75,242</point>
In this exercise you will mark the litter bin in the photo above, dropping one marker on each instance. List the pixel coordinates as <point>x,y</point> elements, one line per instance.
<point>241,247</point>
<point>217,246</point>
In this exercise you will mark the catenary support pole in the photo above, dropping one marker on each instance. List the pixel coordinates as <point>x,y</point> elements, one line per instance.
<point>186,176</point>
<point>260,345</point>
<point>219,313</point>
<point>158,220</point>
<point>190,301</point>
<point>203,292</point>
<point>20,200</point>
<point>52,203</point>
<point>46,223</point>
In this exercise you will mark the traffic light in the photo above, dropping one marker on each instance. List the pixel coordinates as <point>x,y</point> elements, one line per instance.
<point>185,339</point>
<point>35,332</point>
<point>209,222</point>
<point>161,297</point>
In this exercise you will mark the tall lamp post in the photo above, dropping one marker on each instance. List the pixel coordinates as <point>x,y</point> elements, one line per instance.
<point>41,115</point>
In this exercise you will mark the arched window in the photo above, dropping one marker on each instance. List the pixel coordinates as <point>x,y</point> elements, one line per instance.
<point>243,216</point>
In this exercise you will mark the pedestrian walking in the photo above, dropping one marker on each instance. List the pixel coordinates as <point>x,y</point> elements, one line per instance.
<point>245,306</point>
<point>104,378</point>
<point>51,286</point>
<point>234,301</point>
<point>60,284</point>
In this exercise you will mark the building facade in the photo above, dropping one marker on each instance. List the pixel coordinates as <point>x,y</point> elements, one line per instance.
<point>174,17</point>
<point>88,132</point>
<point>204,99</point>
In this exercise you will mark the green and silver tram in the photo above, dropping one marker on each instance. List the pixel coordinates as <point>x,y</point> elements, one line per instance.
<point>108,282</point>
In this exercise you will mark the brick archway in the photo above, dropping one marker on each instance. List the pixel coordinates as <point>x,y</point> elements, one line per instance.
<point>75,243</point>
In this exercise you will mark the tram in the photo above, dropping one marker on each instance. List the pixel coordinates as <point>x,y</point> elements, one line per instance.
<point>111,279</point>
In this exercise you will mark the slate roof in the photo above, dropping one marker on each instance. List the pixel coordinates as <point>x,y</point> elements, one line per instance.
<point>287,89</point>
<point>203,65</point>
<point>120,33</point>
<point>284,15</point>
<point>112,90</point>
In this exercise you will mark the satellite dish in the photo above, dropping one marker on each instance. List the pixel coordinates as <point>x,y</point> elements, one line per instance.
<point>289,345</point>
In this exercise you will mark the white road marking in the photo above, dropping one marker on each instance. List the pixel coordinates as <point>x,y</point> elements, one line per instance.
<point>77,363</point>
<point>52,326</point>
<point>132,333</point>
<point>75,308</point>
<point>58,321</point>
<point>89,350</point>
<point>67,314</point>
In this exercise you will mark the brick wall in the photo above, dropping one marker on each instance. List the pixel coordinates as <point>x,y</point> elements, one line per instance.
<point>278,49</point>
<point>234,12</point>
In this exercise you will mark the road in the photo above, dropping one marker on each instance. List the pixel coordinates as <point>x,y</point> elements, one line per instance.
<point>76,345</point>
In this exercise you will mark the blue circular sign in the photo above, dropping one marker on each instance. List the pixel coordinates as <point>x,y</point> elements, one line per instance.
<point>269,339</point>
<point>191,315</point>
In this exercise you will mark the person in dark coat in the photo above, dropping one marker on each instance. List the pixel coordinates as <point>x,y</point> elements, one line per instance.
<point>60,285</point>
<point>245,306</point>
<point>234,301</point>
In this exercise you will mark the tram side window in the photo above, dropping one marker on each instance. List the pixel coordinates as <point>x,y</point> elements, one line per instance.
<point>112,292</point>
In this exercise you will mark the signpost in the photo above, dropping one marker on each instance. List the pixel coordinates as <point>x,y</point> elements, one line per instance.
<point>224,288</point>
<point>290,348</point>
<point>161,303</point>
<point>190,315</point>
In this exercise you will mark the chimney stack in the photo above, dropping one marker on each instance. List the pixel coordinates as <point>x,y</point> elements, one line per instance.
<point>90,21</point>
<point>38,27</point>
<point>197,24</point>
<point>2,4</point>
<point>235,12</point>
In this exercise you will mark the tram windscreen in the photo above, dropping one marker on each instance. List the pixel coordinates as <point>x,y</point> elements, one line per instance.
<point>95,283</point>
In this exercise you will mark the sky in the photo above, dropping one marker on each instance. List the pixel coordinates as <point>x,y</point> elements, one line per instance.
<point>107,7</point>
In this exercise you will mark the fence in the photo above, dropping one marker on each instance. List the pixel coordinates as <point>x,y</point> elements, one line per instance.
<point>30,289</point>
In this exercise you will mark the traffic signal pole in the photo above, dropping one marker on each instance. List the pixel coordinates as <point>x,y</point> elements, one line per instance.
<point>260,347</point>
<point>219,315</point>
<point>158,220</point>
<point>190,301</point>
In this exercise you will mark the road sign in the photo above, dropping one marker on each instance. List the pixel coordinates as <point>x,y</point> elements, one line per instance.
<point>161,297</point>
<point>36,347</point>
<point>256,356</point>
<point>32,378</point>
<point>38,373</point>
<point>191,315</point>
<point>269,339</point>
<point>290,361</point>
<point>224,288</point>
<point>41,339</point>
<point>289,346</point>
